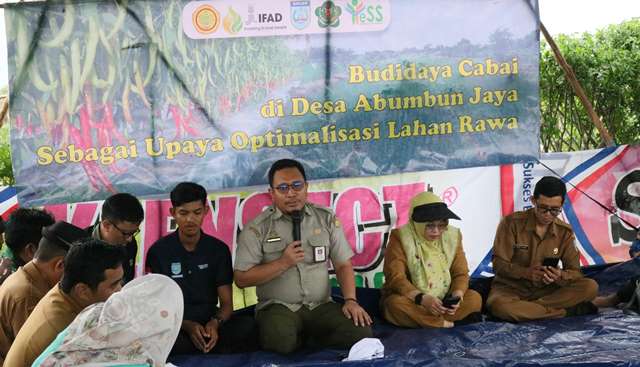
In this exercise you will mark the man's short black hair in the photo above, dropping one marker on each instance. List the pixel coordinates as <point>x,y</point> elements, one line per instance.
<point>87,261</point>
<point>550,186</point>
<point>122,207</point>
<point>25,226</point>
<point>57,239</point>
<point>282,164</point>
<point>187,192</point>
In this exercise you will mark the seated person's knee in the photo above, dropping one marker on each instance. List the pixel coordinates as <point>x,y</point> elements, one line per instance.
<point>283,344</point>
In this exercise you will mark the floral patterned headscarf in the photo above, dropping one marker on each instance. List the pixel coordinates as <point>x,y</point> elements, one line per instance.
<point>136,326</point>
<point>429,262</point>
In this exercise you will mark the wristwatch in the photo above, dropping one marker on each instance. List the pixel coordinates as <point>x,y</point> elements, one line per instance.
<point>418,299</point>
<point>219,319</point>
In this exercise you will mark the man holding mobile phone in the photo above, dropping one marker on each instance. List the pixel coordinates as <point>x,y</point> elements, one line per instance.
<point>527,250</point>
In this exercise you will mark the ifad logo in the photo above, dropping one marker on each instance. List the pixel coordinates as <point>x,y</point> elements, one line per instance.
<point>232,22</point>
<point>206,19</point>
<point>328,14</point>
<point>300,14</point>
<point>364,14</point>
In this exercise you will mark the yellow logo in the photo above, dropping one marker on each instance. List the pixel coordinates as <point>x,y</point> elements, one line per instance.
<point>232,23</point>
<point>206,19</point>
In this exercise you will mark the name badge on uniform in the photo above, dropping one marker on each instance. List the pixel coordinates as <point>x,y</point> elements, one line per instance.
<point>521,247</point>
<point>273,239</point>
<point>319,254</point>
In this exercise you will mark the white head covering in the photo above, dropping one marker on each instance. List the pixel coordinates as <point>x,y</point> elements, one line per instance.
<point>139,324</point>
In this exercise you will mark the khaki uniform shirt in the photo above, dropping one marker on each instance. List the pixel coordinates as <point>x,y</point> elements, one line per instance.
<point>19,295</point>
<point>517,247</point>
<point>52,314</point>
<point>265,239</point>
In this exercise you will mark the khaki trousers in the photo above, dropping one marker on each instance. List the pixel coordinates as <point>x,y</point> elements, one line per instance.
<point>549,302</point>
<point>401,311</point>
<point>283,331</point>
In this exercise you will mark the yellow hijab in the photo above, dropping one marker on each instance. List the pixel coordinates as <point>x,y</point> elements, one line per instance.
<point>429,262</point>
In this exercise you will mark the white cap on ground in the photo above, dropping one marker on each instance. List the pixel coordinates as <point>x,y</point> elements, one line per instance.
<point>367,348</point>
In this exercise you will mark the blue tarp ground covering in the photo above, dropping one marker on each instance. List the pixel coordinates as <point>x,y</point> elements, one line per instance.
<point>610,338</point>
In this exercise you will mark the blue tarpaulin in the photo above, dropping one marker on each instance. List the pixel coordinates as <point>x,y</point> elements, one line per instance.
<point>610,338</point>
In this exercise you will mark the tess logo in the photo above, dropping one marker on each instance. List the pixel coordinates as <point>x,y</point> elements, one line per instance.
<point>206,19</point>
<point>361,14</point>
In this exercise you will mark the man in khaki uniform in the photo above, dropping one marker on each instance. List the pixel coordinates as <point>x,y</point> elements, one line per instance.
<point>92,272</point>
<point>22,234</point>
<point>20,293</point>
<point>525,289</point>
<point>292,276</point>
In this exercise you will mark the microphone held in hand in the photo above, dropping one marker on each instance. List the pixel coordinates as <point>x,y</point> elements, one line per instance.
<point>296,218</point>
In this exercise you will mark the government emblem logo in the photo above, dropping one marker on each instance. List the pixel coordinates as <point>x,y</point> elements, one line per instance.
<point>206,19</point>
<point>300,13</point>
<point>176,268</point>
<point>328,14</point>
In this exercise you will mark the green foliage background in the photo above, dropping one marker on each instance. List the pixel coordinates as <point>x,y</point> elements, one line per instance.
<point>6,172</point>
<point>606,64</point>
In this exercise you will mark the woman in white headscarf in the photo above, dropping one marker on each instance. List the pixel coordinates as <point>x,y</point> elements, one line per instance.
<point>426,272</point>
<point>134,327</point>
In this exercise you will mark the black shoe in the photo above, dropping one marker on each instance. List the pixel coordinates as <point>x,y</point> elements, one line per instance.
<point>471,318</point>
<point>583,308</point>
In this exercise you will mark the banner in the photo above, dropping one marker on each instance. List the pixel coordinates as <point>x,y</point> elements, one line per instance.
<point>135,96</point>
<point>370,208</point>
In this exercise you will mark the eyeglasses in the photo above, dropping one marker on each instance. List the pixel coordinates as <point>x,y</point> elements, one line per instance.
<point>295,185</point>
<point>432,226</point>
<point>124,233</point>
<point>547,209</point>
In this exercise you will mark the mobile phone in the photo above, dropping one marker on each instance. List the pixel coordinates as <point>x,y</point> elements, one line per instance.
<point>551,261</point>
<point>450,301</point>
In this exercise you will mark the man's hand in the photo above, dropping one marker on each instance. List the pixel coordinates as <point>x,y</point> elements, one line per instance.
<point>535,273</point>
<point>551,274</point>
<point>5,267</point>
<point>196,333</point>
<point>433,305</point>
<point>353,311</point>
<point>293,254</point>
<point>211,332</point>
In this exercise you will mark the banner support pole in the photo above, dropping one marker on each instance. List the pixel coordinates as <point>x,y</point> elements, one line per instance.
<point>577,88</point>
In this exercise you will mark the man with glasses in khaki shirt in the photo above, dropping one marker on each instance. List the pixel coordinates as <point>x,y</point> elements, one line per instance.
<point>528,284</point>
<point>292,275</point>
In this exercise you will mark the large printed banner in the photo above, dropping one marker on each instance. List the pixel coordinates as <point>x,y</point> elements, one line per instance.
<point>112,96</point>
<point>370,208</point>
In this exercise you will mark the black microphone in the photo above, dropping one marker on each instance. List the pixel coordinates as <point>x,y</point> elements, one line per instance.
<point>296,218</point>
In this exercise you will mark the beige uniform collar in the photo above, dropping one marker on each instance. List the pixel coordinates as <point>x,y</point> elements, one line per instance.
<point>277,213</point>
<point>36,278</point>
<point>531,223</point>
<point>70,301</point>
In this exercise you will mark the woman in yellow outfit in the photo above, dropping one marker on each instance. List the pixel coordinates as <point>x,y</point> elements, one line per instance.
<point>426,272</point>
